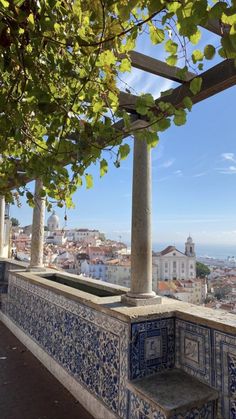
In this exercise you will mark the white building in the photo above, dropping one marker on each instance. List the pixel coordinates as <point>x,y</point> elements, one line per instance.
<point>172,264</point>
<point>84,235</point>
<point>53,222</point>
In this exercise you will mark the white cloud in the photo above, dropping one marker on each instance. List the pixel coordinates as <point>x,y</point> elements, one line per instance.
<point>228,156</point>
<point>168,163</point>
<point>231,170</point>
<point>200,174</point>
<point>178,173</point>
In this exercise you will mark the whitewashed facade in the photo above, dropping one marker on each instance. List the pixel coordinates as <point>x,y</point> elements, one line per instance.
<point>171,264</point>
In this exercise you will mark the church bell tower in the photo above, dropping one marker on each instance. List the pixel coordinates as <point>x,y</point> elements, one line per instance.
<point>190,247</point>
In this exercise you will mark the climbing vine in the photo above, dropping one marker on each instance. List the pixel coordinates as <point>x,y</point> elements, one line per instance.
<point>60,64</point>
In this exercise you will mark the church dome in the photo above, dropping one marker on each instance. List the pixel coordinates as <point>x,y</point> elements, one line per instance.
<point>53,222</point>
<point>189,239</point>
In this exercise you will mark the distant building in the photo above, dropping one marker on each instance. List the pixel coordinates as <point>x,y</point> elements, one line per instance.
<point>84,235</point>
<point>53,222</point>
<point>172,264</point>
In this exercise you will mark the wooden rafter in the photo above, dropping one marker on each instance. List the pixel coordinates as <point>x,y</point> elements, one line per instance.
<point>157,67</point>
<point>218,78</point>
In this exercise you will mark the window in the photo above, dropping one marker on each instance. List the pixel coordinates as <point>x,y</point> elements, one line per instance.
<point>174,265</point>
<point>166,265</point>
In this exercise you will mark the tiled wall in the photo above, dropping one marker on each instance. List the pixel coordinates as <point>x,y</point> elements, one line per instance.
<point>210,356</point>
<point>101,352</point>
<point>3,285</point>
<point>205,353</point>
<point>91,346</point>
<point>141,409</point>
<point>152,347</point>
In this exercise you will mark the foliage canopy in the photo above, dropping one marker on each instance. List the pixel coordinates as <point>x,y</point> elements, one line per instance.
<point>61,61</point>
<point>202,270</point>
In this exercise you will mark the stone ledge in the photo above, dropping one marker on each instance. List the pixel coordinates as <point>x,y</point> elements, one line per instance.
<point>173,392</point>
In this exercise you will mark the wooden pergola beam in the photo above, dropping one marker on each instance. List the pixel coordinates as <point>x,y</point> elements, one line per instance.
<point>157,67</point>
<point>216,79</point>
<point>215,26</point>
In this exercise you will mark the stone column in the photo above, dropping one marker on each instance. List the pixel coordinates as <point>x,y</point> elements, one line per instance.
<point>2,225</point>
<point>37,239</point>
<point>141,240</point>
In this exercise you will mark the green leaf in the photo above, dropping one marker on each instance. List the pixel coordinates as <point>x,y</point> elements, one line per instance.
<point>31,20</point>
<point>172,60</point>
<point>5,3</point>
<point>197,55</point>
<point>217,10</point>
<point>125,65</point>
<point>180,117</point>
<point>174,6</point>
<point>163,124</point>
<point>157,35</point>
<point>18,3</point>
<point>143,103</point>
<point>195,85</point>
<point>151,138</point>
<point>103,167</point>
<point>229,45</point>
<point>209,51</point>
<point>195,38</point>
<point>171,47</point>
<point>89,181</point>
<point>98,106</point>
<point>188,103</point>
<point>167,92</point>
<point>106,58</point>
<point>124,150</point>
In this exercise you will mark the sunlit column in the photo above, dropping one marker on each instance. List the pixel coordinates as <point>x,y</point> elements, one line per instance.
<point>141,236</point>
<point>37,239</point>
<point>2,224</point>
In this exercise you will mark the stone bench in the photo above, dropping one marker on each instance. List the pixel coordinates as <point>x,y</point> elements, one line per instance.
<point>172,394</point>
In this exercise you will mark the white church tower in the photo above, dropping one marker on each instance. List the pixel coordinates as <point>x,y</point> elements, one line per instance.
<point>190,247</point>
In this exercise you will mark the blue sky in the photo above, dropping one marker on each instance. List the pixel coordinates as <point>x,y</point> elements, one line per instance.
<point>194,176</point>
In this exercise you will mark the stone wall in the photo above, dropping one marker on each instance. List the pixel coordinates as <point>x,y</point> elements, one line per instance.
<point>102,350</point>
<point>90,346</point>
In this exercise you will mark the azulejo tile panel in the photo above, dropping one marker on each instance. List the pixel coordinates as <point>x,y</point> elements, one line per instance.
<point>152,347</point>
<point>193,350</point>
<point>142,409</point>
<point>225,372</point>
<point>90,345</point>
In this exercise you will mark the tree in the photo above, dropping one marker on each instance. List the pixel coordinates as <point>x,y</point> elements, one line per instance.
<point>15,222</point>
<point>61,62</point>
<point>202,270</point>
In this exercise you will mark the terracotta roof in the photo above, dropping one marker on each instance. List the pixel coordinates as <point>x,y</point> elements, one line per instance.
<point>168,249</point>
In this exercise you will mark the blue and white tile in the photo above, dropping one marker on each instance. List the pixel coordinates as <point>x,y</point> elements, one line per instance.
<point>90,345</point>
<point>152,347</point>
<point>225,372</point>
<point>142,409</point>
<point>193,350</point>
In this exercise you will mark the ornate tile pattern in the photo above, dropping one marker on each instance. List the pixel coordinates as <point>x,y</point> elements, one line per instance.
<point>152,347</point>
<point>3,282</point>
<point>141,409</point>
<point>90,345</point>
<point>193,350</point>
<point>225,372</point>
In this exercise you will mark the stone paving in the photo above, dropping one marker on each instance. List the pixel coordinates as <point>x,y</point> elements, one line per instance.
<point>27,389</point>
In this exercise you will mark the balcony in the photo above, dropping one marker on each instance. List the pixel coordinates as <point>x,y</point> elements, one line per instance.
<point>112,357</point>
